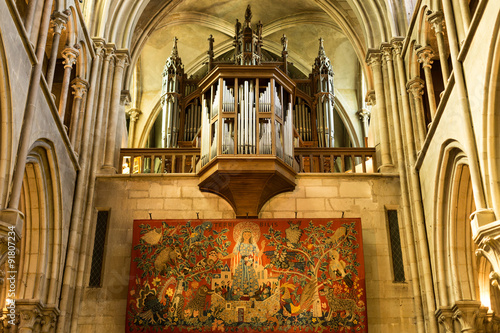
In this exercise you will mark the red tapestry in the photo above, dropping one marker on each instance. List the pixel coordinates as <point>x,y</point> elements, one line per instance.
<point>276,275</point>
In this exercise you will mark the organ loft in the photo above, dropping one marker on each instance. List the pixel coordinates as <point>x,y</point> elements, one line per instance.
<point>247,110</point>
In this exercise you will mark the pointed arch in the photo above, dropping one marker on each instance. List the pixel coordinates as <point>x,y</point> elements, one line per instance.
<point>6,145</point>
<point>40,264</point>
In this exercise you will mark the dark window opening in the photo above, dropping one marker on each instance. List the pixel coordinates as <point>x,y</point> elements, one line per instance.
<point>98,254</point>
<point>397,254</point>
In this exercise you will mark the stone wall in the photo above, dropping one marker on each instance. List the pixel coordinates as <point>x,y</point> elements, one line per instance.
<point>390,306</point>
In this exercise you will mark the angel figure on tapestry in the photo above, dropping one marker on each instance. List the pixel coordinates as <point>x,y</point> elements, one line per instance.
<point>245,259</point>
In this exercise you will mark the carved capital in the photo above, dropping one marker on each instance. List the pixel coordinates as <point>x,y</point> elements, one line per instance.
<point>58,22</point>
<point>386,49</point>
<point>50,315</point>
<point>30,316</point>
<point>70,54</point>
<point>444,316</point>
<point>397,46</point>
<point>370,98</point>
<point>125,97</point>
<point>425,55</point>
<point>99,46</point>
<point>467,314</point>
<point>109,50</point>
<point>436,19</point>
<point>416,87</point>
<point>364,114</point>
<point>79,87</point>
<point>122,58</point>
<point>374,58</point>
<point>491,322</point>
<point>134,114</point>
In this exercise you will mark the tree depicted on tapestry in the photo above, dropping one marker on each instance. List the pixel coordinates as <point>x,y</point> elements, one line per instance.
<point>261,275</point>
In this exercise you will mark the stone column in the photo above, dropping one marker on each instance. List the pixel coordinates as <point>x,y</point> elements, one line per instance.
<point>30,14</point>
<point>437,22</point>
<point>421,245</point>
<point>425,55</point>
<point>80,195</point>
<point>373,59</point>
<point>134,116</point>
<point>58,23</point>
<point>79,90</point>
<point>122,60</point>
<point>416,89</point>
<point>69,54</point>
<point>12,214</point>
<point>364,116</point>
<point>387,51</point>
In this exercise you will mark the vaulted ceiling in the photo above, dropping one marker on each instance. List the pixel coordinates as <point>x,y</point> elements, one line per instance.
<point>148,26</point>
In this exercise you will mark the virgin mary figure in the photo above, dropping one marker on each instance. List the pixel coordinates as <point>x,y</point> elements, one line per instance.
<point>245,257</point>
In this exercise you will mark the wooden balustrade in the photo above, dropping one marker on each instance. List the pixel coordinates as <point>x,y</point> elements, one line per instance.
<point>159,160</point>
<point>336,160</point>
<point>184,160</point>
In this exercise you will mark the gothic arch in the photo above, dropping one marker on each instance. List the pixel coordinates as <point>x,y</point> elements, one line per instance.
<point>491,121</point>
<point>454,250</point>
<point>40,265</point>
<point>6,145</point>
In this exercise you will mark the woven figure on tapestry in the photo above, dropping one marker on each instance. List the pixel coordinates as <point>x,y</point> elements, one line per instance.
<point>245,279</point>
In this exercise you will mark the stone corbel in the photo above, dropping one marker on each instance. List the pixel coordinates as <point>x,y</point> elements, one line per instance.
<point>49,319</point>
<point>370,99</point>
<point>491,322</point>
<point>467,313</point>
<point>125,97</point>
<point>444,316</point>
<point>486,234</point>
<point>30,314</point>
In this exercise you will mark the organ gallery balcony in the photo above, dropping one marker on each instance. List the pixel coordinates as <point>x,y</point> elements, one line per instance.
<point>247,135</point>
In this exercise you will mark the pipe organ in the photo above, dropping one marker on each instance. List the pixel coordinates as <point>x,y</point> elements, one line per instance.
<point>246,114</point>
<point>251,116</point>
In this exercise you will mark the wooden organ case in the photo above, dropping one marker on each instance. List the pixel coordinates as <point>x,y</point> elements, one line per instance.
<point>246,115</point>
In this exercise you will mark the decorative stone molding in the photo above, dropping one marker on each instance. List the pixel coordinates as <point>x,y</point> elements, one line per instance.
<point>425,55</point>
<point>79,87</point>
<point>444,316</point>
<point>416,87</point>
<point>70,54</point>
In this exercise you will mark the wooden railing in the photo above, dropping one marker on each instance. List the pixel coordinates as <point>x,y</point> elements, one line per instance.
<point>336,160</point>
<point>159,160</point>
<point>184,160</point>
